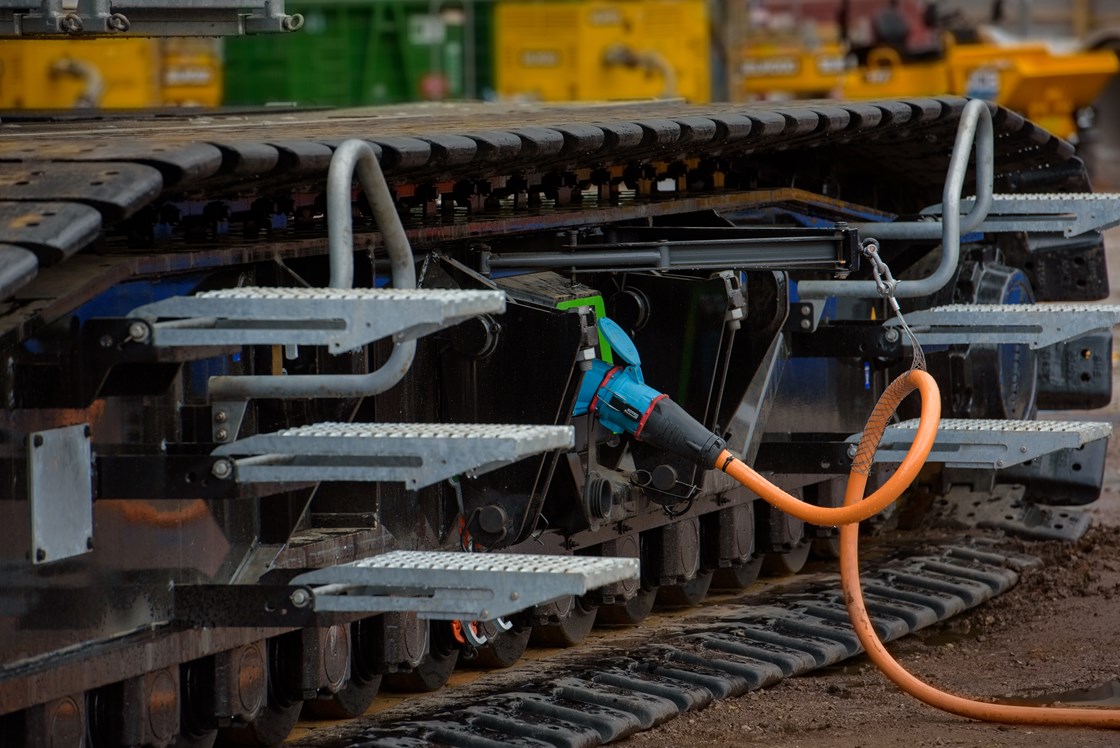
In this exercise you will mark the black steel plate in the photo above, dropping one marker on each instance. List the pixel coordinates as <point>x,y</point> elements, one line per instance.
<point>300,157</point>
<point>581,140</point>
<point>116,189</point>
<point>53,230</point>
<point>496,147</point>
<point>17,267</point>
<point>451,150</point>
<point>179,164</point>
<point>247,157</point>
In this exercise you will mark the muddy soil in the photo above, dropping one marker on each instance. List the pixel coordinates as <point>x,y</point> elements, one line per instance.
<point>1056,631</point>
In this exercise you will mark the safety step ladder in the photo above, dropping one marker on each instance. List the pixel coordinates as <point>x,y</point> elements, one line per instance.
<point>1005,507</point>
<point>1034,325</point>
<point>416,454</point>
<point>986,443</point>
<point>340,319</point>
<point>1069,214</point>
<point>467,586</point>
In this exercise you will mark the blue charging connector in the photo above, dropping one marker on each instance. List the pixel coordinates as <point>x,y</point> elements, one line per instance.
<point>619,397</point>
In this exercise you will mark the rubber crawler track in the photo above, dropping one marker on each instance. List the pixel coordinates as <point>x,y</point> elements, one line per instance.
<point>753,647</point>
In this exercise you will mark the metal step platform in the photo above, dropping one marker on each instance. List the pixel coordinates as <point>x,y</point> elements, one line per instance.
<point>468,586</point>
<point>416,454</point>
<point>113,18</point>
<point>1069,214</point>
<point>340,319</point>
<point>1035,325</point>
<point>982,443</point>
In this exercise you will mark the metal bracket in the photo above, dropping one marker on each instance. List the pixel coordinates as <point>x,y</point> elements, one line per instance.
<point>165,477</point>
<point>990,444</point>
<point>867,339</point>
<point>1069,214</point>
<point>1005,508</point>
<point>60,493</point>
<point>417,454</point>
<point>225,420</point>
<point>97,18</point>
<point>1038,326</point>
<point>243,605</point>
<point>340,319</point>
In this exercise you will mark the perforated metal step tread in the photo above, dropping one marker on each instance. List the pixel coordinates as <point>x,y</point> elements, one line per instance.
<point>1068,213</point>
<point>416,454</point>
<point>470,586</point>
<point>341,319</point>
<point>1036,325</point>
<point>987,443</point>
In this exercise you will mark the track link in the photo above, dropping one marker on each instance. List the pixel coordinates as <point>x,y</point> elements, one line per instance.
<point>742,648</point>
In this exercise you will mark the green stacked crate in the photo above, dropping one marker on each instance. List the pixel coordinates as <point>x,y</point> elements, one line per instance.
<point>353,53</point>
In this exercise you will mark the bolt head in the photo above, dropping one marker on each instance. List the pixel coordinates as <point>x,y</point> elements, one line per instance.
<point>138,331</point>
<point>221,417</point>
<point>221,435</point>
<point>222,469</point>
<point>300,598</point>
<point>806,324</point>
<point>40,554</point>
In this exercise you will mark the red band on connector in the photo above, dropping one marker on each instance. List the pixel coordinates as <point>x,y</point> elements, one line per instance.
<point>645,416</point>
<point>606,378</point>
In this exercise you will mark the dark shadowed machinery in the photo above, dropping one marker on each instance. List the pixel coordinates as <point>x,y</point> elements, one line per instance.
<point>298,404</point>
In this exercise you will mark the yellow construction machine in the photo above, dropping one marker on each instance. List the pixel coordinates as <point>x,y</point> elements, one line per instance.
<point>123,73</point>
<point>1047,85</point>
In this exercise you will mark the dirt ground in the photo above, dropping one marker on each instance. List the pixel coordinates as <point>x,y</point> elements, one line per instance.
<point>1056,631</point>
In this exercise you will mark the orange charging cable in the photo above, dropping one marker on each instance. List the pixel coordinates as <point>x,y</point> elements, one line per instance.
<point>857,508</point>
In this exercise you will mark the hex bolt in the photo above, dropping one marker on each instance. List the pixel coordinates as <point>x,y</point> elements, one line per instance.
<point>300,598</point>
<point>221,417</point>
<point>891,335</point>
<point>515,596</point>
<point>119,22</point>
<point>222,469</point>
<point>221,435</point>
<point>806,324</point>
<point>806,310</point>
<point>139,331</point>
<point>852,450</point>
